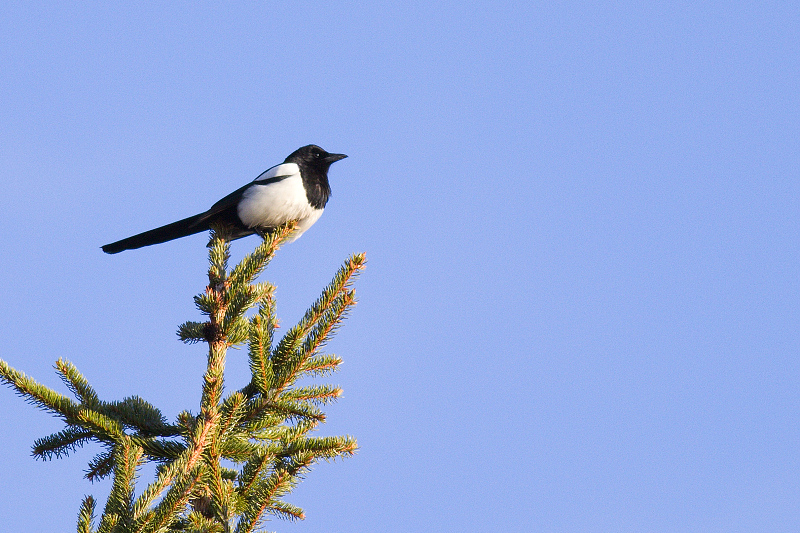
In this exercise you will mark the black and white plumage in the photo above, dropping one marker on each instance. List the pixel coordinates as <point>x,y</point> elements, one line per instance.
<point>297,189</point>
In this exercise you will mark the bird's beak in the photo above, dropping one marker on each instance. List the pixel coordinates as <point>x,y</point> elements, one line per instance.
<point>332,158</point>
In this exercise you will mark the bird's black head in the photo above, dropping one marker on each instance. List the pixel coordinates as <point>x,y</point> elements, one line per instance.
<point>313,157</point>
<point>314,163</point>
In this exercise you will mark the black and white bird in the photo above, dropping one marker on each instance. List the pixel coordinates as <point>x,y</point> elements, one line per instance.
<point>297,189</point>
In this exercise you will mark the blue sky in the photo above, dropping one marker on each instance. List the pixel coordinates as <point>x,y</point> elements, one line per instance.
<point>581,306</point>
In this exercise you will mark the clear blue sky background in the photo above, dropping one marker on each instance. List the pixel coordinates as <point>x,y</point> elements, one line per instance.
<point>582,222</point>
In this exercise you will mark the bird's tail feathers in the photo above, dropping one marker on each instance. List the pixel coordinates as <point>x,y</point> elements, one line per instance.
<point>176,230</point>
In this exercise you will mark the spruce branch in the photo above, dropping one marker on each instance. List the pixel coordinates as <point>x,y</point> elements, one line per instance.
<point>191,332</point>
<point>219,252</point>
<point>61,444</point>
<point>255,262</point>
<point>286,511</point>
<point>167,475</point>
<point>77,384</point>
<point>39,395</point>
<point>341,281</point>
<point>263,496</point>
<point>316,394</point>
<point>254,469</point>
<point>118,511</point>
<point>237,449</point>
<point>102,426</point>
<point>233,409</point>
<point>100,466</point>
<point>266,413</point>
<point>284,433</point>
<point>160,450</point>
<point>174,503</point>
<point>262,328</point>
<point>86,515</point>
<point>302,341</point>
<point>138,414</point>
<point>320,447</point>
<point>320,365</point>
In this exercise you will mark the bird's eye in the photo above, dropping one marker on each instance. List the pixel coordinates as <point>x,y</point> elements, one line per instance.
<point>317,155</point>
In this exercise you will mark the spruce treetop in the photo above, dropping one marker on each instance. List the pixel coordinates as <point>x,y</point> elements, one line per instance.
<point>228,466</point>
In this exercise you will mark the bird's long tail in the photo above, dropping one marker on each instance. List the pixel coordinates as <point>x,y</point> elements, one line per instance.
<point>176,230</point>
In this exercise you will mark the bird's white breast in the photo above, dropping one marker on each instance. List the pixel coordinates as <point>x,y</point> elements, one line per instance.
<point>272,204</point>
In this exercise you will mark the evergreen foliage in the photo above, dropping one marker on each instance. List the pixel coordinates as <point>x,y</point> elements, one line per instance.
<point>262,429</point>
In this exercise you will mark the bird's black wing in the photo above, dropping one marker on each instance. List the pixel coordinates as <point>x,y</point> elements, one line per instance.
<point>225,209</point>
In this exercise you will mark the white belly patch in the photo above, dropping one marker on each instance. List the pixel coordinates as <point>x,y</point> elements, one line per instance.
<point>267,206</point>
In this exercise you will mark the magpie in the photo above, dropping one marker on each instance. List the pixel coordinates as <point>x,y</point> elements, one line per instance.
<point>297,189</point>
